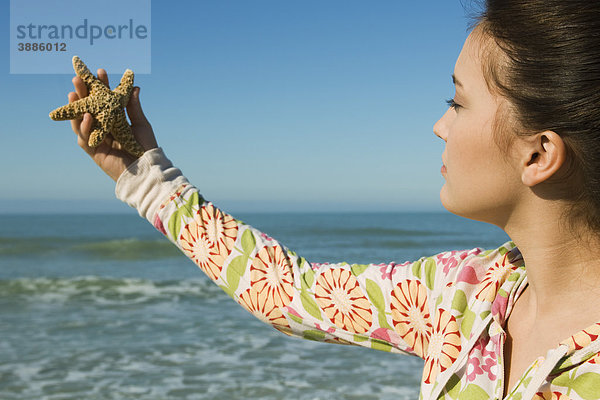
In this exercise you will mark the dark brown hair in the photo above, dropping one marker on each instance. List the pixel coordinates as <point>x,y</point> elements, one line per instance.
<point>549,71</point>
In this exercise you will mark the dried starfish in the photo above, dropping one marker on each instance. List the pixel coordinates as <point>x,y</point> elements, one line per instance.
<point>106,106</point>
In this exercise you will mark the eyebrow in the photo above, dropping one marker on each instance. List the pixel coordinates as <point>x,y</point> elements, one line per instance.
<point>456,81</point>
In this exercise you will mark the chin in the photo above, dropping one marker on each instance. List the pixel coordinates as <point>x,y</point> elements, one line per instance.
<point>458,207</point>
<point>444,199</point>
<point>482,214</point>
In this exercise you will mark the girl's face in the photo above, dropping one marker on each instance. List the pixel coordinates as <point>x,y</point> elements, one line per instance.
<point>481,183</point>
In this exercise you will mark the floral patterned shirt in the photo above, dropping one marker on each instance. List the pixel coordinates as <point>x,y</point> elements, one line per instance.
<point>449,309</point>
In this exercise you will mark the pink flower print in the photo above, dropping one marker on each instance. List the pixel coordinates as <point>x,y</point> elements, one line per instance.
<point>329,330</point>
<point>266,237</point>
<point>386,273</point>
<point>499,307</point>
<point>468,275</point>
<point>386,335</point>
<point>159,225</point>
<point>293,312</point>
<point>448,260</point>
<point>473,252</point>
<point>478,345</point>
<point>316,266</point>
<point>490,366</point>
<point>388,270</point>
<point>486,346</point>
<point>449,263</point>
<point>485,352</point>
<point>473,369</point>
<point>381,333</point>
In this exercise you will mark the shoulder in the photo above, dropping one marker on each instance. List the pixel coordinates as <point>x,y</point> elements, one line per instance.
<point>470,266</point>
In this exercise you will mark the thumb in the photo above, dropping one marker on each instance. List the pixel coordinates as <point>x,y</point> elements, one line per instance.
<point>134,108</point>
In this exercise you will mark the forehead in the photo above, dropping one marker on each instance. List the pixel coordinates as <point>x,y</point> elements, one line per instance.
<point>468,68</point>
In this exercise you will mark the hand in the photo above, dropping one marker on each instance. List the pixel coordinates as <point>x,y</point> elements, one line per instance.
<point>109,155</point>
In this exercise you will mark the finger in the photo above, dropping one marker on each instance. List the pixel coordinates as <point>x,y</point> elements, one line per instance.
<point>86,126</point>
<point>75,123</point>
<point>84,133</point>
<point>134,108</point>
<point>81,142</point>
<point>80,87</point>
<point>103,76</point>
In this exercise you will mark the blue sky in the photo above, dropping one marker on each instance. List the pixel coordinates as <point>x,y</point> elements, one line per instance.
<point>266,105</point>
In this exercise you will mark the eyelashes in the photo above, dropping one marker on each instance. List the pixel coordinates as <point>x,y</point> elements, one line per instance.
<point>452,104</point>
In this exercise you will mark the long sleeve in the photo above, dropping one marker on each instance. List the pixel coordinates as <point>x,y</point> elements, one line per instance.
<point>390,307</point>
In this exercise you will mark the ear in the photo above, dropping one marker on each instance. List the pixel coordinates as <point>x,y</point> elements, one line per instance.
<point>544,154</point>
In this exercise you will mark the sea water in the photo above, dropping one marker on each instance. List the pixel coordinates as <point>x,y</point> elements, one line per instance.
<point>103,307</point>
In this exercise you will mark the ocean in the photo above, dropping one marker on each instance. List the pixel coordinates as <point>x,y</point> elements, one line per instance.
<point>103,307</point>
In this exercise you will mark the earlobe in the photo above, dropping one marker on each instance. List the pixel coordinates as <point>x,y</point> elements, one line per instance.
<point>545,155</point>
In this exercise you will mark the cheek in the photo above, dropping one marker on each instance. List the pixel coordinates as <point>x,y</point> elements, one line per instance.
<point>467,165</point>
<point>470,148</point>
<point>463,153</point>
<point>478,183</point>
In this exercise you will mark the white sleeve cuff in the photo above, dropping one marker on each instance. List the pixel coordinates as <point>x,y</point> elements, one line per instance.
<point>148,181</point>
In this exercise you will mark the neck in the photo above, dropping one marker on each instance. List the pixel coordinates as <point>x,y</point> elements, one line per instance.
<point>562,263</point>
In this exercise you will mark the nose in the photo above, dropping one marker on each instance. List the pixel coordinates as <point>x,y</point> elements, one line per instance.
<point>440,129</point>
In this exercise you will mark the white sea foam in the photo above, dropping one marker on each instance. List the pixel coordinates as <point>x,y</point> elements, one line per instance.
<point>105,291</point>
<point>26,372</point>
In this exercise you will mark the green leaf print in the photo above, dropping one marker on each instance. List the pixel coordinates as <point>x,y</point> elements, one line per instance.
<point>313,334</point>
<point>514,276</point>
<point>294,318</point>
<point>380,345</point>
<point>416,269</point>
<point>375,294</point>
<point>307,279</point>
<point>235,271</point>
<point>430,268</point>
<point>358,269</point>
<point>248,242</point>
<point>563,380</point>
<point>467,323</point>
<point>301,262</point>
<point>360,338</point>
<point>310,305</point>
<point>516,396</point>
<point>473,392</point>
<point>587,385</point>
<point>453,386</point>
<point>227,290</point>
<point>186,210</point>
<point>459,302</point>
<point>383,320</point>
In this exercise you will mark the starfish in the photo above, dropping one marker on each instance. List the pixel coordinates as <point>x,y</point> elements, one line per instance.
<point>106,106</point>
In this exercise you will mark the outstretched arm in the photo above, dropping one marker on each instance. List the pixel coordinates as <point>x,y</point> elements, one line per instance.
<point>393,307</point>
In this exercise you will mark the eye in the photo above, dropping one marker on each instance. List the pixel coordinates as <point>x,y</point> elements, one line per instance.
<point>452,104</point>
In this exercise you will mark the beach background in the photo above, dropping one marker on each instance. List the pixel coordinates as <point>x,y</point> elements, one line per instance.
<point>310,120</point>
<point>104,307</point>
